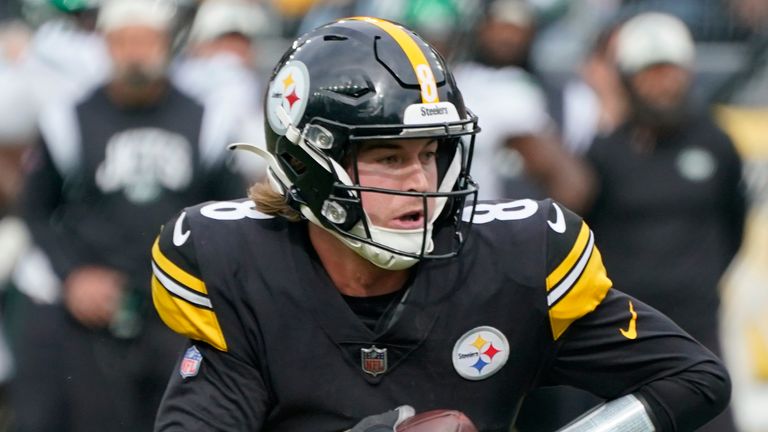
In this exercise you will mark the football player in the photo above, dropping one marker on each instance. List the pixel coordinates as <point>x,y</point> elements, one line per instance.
<point>349,284</point>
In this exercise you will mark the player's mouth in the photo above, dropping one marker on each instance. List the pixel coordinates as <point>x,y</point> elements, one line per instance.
<point>409,220</point>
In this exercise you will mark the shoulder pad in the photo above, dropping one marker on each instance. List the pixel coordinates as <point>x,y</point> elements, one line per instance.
<point>178,291</point>
<point>576,278</point>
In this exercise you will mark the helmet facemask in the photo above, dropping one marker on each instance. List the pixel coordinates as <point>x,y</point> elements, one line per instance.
<point>342,212</point>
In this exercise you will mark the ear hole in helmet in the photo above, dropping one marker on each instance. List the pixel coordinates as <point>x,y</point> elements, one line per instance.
<point>296,166</point>
<point>343,212</point>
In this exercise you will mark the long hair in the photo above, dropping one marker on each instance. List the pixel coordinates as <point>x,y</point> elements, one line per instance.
<point>272,203</point>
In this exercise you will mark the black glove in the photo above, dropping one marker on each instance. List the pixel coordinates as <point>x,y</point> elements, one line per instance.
<point>384,422</point>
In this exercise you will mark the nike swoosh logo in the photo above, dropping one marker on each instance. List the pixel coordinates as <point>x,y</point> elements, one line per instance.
<point>558,225</point>
<point>179,238</point>
<point>631,332</point>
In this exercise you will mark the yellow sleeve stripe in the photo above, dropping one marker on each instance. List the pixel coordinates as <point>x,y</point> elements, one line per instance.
<point>175,272</point>
<point>417,58</point>
<point>187,319</point>
<point>583,297</point>
<point>578,249</point>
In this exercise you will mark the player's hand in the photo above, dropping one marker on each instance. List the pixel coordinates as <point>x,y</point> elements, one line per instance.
<point>384,422</point>
<point>93,295</point>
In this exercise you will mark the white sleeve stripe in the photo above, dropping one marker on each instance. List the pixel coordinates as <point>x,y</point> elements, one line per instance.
<point>569,281</point>
<point>180,290</point>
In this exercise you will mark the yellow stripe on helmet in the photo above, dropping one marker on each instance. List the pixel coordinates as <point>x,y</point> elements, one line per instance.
<point>415,55</point>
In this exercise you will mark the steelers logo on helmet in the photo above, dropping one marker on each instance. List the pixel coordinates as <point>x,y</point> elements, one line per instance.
<point>287,97</point>
<point>480,353</point>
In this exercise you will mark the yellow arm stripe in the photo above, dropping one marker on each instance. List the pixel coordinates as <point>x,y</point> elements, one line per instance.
<point>562,270</point>
<point>415,55</point>
<point>175,272</point>
<point>186,319</point>
<point>583,297</point>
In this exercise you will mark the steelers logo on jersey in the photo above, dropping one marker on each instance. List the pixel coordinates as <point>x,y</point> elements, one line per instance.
<point>480,353</point>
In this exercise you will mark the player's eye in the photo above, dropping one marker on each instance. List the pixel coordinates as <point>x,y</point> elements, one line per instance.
<point>428,156</point>
<point>391,159</point>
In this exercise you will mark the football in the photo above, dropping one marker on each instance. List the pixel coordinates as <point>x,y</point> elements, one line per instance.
<point>437,421</point>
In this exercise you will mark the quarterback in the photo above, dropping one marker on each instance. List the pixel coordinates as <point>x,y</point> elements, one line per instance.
<point>348,284</point>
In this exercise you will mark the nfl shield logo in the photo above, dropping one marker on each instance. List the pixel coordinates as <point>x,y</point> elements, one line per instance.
<point>373,360</point>
<point>190,364</point>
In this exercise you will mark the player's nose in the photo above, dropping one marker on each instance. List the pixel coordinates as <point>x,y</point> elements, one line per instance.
<point>417,179</point>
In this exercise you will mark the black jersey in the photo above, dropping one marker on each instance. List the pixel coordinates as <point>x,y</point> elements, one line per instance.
<point>527,303</point>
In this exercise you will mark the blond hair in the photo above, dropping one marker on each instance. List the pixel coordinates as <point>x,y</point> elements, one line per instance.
<point>272,203</point>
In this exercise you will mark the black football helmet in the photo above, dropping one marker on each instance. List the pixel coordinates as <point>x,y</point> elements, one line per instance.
<point>363,79</point>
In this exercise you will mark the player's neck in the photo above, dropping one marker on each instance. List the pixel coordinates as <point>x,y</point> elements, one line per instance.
<point>352,274</point>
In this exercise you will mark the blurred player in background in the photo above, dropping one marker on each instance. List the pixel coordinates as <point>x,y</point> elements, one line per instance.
<point>670,201</point>
<point>220,68</point>
<point>108,172</point>
<point>519,153</point>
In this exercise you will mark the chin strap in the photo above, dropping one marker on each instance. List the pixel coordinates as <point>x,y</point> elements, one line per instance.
<point>379,257</point>
<point>625,414</point>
